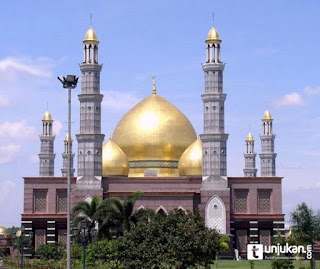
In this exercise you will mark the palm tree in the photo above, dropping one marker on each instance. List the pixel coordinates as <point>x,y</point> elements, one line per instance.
<point>117,216</point>
<point>305,227</point>
<point>86,211</point>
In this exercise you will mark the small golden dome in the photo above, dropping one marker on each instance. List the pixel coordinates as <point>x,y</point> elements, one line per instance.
<point>114,160</point>
<point>66,138</point>
<point>47,116</point>
<point>267,115</point>
<point>91,36</point>
<point>153,135</point>
<point>3,230</point>
<point>190,163</point>
<point>18,233</point>
<point>213,36</point>
<point>249,138</point>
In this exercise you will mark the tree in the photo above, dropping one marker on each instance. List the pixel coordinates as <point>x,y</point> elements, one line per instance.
<point>178,240</point>
<point>117,217</point>
<point>86,211</point>
<point>305,227</point>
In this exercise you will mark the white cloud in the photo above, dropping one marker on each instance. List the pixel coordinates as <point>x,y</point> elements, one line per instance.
<point>57,127</point>
<point>5,188</point>
<point>10,67</point>
<point>290,99</point>
<point>4,100</point>
<point>312,91</point>
<point>119,100</point>
<point>317,185</point>
<point>34,158</point>
<point>18,130</point>
<point>9,153</point>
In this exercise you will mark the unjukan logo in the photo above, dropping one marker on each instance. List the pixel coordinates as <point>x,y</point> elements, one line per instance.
<point>255,251</point>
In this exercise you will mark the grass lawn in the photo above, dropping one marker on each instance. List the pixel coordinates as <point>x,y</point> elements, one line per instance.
<point>257,264</point>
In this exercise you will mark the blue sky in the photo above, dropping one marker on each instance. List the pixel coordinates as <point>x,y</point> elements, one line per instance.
<point>272,61</point>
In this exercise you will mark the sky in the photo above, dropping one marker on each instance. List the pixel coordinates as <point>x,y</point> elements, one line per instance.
<point>271,51</point>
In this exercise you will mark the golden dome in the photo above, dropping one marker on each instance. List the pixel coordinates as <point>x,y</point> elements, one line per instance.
<point>66,138</point>
<point>213,36</point>
<point>3,231</point>
<point>114,160</point>
<point>267,115</point>
<point>18,233</point>
<point>249,138</point>
<point>91,36</point>
<point>153,135</point>
<point>190,163</point>
<point>47,116</point>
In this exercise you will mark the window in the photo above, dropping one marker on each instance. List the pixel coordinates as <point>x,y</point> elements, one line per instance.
<point>242,240</point>
<point>62,201</point>
<point>241,201</point>
<point>264,200</point>
<point>265,237</point>
<point>40,200</point>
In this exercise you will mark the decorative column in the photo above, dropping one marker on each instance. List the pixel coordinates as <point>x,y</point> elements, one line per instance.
<point>250,158</point>
<point>267,155</point>
<point>64,169</point>
<point>47,156</point>
<point>90,138</point>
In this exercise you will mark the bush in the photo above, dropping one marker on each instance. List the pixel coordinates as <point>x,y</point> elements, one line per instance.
<point>282,264</point>
<point>53,251</point>
<point>104,251</point>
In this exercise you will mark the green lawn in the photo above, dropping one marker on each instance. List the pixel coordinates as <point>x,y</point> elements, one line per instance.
<point>257,264</point>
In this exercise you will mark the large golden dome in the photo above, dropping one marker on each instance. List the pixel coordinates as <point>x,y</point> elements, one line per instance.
<point>114,160</point>
<point>190,163</point>
<point>153,135</point>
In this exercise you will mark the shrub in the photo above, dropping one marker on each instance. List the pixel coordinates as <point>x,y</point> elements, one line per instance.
<point>53,251</point>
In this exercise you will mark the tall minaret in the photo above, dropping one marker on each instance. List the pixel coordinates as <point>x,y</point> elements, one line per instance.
<point>267,155</point>
<point>46,156</point>
<point>90,138</point>
<point>214,139</point>
<point>250,158</point>
<point>64,169</point>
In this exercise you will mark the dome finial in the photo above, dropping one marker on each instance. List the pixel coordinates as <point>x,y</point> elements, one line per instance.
<point>154,89</point>
<point>267,115</point>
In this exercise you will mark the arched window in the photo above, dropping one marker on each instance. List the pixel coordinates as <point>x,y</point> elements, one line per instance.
<point>216,214</point>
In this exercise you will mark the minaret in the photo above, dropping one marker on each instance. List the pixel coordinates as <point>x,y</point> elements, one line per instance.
<point>250,158</point>
<point>46,156</point>
<point>90,138</point>
<point>267,155</point>
<point>214,139</point>
<point>64,170</point>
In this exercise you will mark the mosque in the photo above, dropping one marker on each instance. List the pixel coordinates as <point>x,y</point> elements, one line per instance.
<point>154,149</point>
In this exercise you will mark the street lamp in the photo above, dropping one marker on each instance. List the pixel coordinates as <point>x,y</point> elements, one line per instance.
<point>85,233</point>
<point>70,82</point>
<point>21,234</point>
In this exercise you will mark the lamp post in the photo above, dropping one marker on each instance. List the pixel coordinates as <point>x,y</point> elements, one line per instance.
<point>21,234</point>
<point>85,232</point>
<point>70,82</point>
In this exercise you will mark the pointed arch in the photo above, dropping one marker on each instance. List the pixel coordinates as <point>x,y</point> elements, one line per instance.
<point>140,207</point>
<point>215,214</point>
<point>87,198</point>
<point>161,210</point>
<point>182,208</point>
